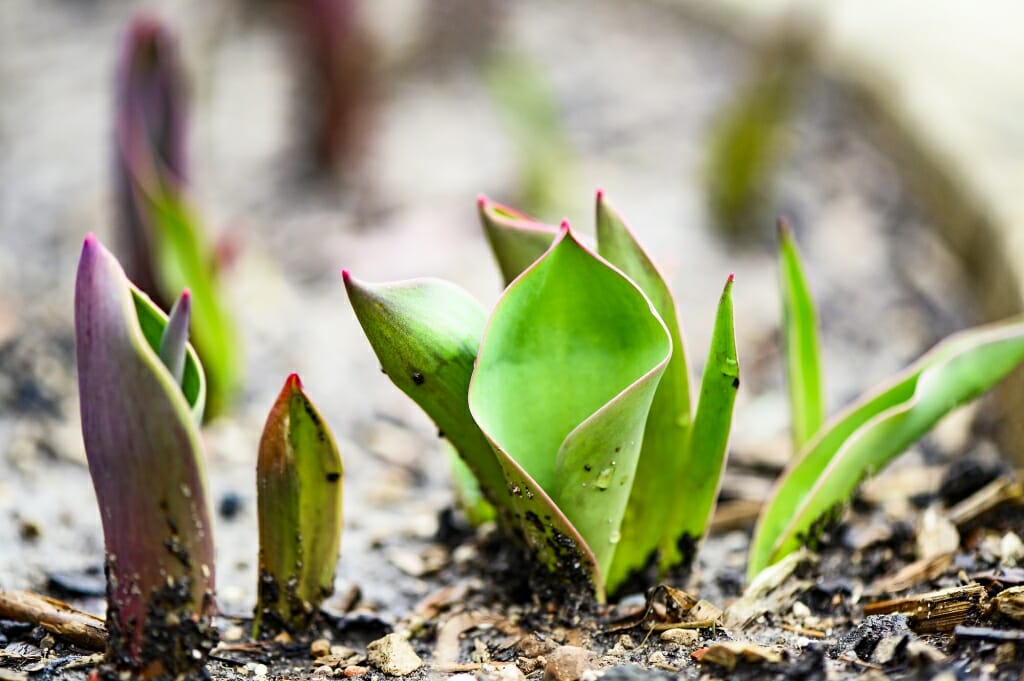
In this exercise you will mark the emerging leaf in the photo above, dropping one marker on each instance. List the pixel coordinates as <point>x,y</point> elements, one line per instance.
<point>565,376</point>
<point>663,463</point>
<point>298,482</point>
<point>800,340</point>
<point>145,458</point>
<point>866,436</point>
<point>175,337</point>
<point>516,239</point>
<point>697,489</point>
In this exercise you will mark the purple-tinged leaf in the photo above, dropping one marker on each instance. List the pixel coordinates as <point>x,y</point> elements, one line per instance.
<point>145,458</point>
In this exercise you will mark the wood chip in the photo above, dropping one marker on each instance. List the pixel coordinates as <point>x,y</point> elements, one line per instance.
<point>1010,603</point>
<point>914,574</point>
<point>992,495</point>
<point>58,618</point>
<point>728,654</point>
<point>933,612</point>
<point>446,651</point>
<point>989,634</point>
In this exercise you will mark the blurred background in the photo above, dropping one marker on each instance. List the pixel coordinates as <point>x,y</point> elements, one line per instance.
<point>330,134</point>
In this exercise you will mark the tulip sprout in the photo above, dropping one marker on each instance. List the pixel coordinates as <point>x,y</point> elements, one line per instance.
<point>298,481</point>
<point>570,402</point>
<point>140,427</point>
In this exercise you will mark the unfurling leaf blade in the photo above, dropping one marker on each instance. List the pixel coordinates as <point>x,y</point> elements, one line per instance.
<point>175,336</point>
<point>869,434</point>
<point>146,463</point>
<point>299,495</point>
<point>571,348</point>
<point>800,342</point>
<point>696,492</point>
<point>662,461</point>
<point>516,239</point>
<point>425,333</point>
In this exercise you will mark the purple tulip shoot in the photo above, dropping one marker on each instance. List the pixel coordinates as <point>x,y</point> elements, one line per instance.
<point>150,134</point>
<point>166,247</point>
<point>139,424</point>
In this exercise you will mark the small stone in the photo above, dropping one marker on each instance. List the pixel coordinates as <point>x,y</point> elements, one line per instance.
<point>505,672</point>
<point>1006,654</point>
<point>801,611</point>
<point>923,654</point>
<point>1011,550</point>
<point>533,646</point>
<point>566,663</point>
<point>727,654</point>
<point>887,649</point>
<point>320,648</point>
<point>622,645</point>
<point>393,655</point>
<point>1010,603</point>
<point>683,637</point>
<point>354,670</point>
<point>657,657</point>
<point>234,633</point>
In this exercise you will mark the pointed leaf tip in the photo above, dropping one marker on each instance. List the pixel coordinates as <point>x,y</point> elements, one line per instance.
<point>293,382</point>
<point>345,276</point>
<point>730,279</point>
<point>600,194</point>
<point>564,228</point>
<point>481,201</point>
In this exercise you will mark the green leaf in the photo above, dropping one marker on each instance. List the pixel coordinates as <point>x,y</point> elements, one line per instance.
<point>869,434</point>
<point>516,239</point>
<point>662,463</point>
<point>425,333</point>
<point>299,492</point>
<point>184,260</point>
<point>153,324</point>
<point>566,372</point>
<point>696,492</point>
<point>800,340</point>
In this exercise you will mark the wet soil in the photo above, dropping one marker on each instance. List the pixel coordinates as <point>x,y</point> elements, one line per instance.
<point>639,86</point>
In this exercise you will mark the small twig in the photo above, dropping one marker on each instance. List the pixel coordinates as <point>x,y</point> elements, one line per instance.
<point>803,631</point>
<point>56,617</point>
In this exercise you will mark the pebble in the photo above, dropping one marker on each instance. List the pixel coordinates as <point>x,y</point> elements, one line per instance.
<point>320,647</point>
<point>393,655</point>
<point>566,663</point>
<point>354,670</point>
<point>683,637</point>
<point>801,611</point>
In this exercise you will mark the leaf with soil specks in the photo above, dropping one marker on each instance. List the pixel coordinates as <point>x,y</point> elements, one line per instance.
<point>566,372</point>
<point>426,332</point>
<point>145,458</point>
<point>663,462</point>
<point>299,491</point>
<point>800,341</point>
<point>516,239</point>
<point>872,432</point>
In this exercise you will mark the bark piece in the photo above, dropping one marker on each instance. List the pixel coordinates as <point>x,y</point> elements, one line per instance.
<point>936,611</point>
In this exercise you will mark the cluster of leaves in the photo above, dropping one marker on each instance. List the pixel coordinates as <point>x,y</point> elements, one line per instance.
<point>570,402</point>
<point>143,391</point>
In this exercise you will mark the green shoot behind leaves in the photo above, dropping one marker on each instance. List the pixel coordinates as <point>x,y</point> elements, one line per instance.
<point>298,481</point>
<point>870,433</point>
<point>800,343</point>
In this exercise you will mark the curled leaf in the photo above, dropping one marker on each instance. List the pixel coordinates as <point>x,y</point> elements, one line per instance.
<point>567,368</point>
<point>145,458</point>
<point>516,239</point>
